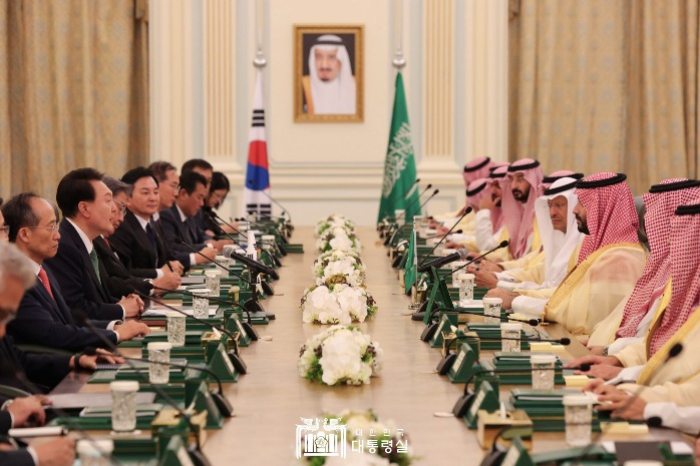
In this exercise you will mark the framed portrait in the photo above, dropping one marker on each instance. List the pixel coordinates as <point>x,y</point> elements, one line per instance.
<point>328,73</point>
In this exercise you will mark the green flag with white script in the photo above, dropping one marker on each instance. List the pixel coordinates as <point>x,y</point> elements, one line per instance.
<point>399,190</point>
<point>409,277</point>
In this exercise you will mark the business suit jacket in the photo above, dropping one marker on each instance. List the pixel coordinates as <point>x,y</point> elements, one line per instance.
<point>40,368</point>
<point>19,457</point>
<point>42,320</point>
<point>81,288</point>
<point>175,230</point>
<point>121,282</point>
<point>135,251</point>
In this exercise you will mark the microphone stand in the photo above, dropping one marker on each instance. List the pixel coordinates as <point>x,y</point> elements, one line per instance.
<point>195,454</point>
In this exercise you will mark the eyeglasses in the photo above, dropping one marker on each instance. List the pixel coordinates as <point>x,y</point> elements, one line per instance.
<point>5,230</point>
<point>50,228</point>
<point>122,207</point>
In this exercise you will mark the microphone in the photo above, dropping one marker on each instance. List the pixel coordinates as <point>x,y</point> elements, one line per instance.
<point>413,188</point>
<point>252,303</point>
<point>60,412</point>
<point>247,326</point>
<point>284,209</point>
<point>531,322</point>
<point>233,355</point>
<point>672,353</point>
<point>502,244</point>
<point>460,408</point>
<point>466,212</point>
<point>389,239</point>
<point>410,204</point>
<point>223,267</point>
<point>195,454</point>
<point>214,217</point>
<point>437,263</point>
<point>222,403</point>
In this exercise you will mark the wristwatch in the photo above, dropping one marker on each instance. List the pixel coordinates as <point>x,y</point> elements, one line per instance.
<point>605,350</point>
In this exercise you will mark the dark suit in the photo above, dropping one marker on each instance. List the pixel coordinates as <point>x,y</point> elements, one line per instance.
<point>135,250</point>
<point>19,457</point>
<point>5,418</point>
<point>81,288</point>
<point>176,230</point>
<point>40,368</point>
<point>42,320</point>
<point>207,223</point>
<point>121,282</point>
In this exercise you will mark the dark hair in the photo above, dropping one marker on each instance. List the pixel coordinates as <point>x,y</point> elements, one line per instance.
<point>196,163</point>
<point>18,214</point>
<point>75,188</point>
<point>135,174</point>
<point>1,201</point>
<point>189,181</point>
<point>219,181</point>
<point>160,170</point>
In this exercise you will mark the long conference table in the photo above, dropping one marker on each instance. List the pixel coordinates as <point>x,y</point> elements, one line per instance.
<point>270,400</point>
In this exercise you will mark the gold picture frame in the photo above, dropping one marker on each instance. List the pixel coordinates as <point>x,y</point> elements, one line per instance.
<point>329,78</point>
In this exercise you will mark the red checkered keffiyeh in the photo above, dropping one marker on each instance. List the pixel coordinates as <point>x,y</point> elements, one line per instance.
<point>610,211</point>
<point>685,273</point>
<point>476,191</point>
<point>518,217</point>
<point>660,202</point>
<point>497,174</point>
<point>475,169</point>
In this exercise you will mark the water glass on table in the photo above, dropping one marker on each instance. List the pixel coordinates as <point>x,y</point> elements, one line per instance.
<point>159,359</point>
<point>95,452</point>
<point>212,280</point>
<point>200,303</point>
<point>543,371</point>
<point>124,405</point>
<point>492,308</point>
<point>510,334</point>
<point>176,324</point>
<point>578,414</point>
<point>466,288</point>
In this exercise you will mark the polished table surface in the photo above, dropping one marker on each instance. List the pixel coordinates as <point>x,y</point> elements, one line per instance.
<point>270,400</point>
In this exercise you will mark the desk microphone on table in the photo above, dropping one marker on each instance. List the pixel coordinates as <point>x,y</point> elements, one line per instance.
<point>233,355</point>
<point>195,453</point>
<point>247,325</point>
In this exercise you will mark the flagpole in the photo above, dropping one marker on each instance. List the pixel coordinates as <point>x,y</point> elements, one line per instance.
<point>259,61</point>
<point>399,61</point>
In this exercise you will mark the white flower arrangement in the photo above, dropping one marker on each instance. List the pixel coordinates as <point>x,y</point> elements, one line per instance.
<point>346,263</point>
<point>331,222</point>
<point>338,239</point>
<point>337,303</point>
<point>358,426</point>
<point>340,355</point>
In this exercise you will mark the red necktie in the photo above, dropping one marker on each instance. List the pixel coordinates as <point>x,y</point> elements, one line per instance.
<point>45,281</point>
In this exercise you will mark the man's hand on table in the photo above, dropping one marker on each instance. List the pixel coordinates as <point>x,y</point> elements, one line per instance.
<point>101,356</point>
<point>506,296</point>
<point>58,452</point>
<point>29,408</point>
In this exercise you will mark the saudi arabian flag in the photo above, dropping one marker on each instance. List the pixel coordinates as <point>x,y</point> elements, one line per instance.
<point>409,277</point>
<point>399,190</point>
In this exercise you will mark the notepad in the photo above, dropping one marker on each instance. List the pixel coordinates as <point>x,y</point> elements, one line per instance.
<point>81,400</point>
<point>162,310</point>
<point>545,346</point>
<point>142,410</point>
<point>576,381</point>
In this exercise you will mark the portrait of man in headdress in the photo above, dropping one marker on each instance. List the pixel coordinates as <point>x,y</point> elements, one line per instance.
<point>328,74</point>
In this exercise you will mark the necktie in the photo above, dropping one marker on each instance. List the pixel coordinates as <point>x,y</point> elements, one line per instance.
<point>152,239</point>
<point>45,281</point>
<point>95,264</point>
<point>189,239</point>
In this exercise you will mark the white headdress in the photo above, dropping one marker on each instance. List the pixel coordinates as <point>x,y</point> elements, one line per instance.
<point>336,96</point>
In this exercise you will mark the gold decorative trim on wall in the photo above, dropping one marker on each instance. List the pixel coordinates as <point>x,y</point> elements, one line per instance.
<point>219,79</point>
<point>438,75</point>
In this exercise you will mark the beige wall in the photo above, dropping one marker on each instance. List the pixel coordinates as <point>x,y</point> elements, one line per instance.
<point>202,80</point>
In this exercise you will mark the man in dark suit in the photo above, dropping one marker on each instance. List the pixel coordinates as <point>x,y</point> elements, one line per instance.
<point>120,278</point>
<point>205,169</point>
<point>87,208</point>
<point>137,242</point>
<point>179,225</point>
<point>17,276</point>
<point>43,317</point>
